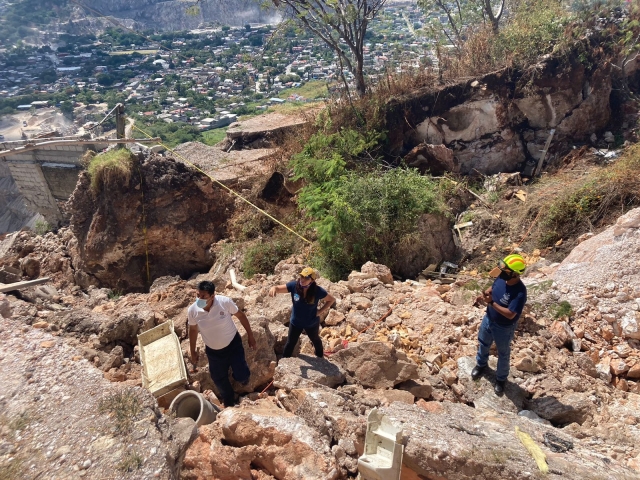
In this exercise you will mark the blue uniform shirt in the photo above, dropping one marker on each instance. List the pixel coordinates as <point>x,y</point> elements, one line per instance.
<point>512,297</point>
<point>303,314</point>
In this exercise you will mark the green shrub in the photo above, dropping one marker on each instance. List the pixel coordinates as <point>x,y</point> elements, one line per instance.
<point>562,309</point>
<point>365,215</point>
<point>110,168</point>
<point>42,227</point>
<point>263,257</point>
<point>536,29</point>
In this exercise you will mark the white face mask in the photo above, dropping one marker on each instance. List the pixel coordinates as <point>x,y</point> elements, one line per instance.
<point>201,302</point>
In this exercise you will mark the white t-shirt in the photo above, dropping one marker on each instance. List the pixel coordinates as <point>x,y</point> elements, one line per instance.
<point>216,326</point>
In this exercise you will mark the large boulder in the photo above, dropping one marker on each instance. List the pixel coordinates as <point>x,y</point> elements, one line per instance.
<point>161,220</point>
<point>291,372</point>
<point>574,407</point>
<point>456,442</point>
<point>259,437</point>
<point>376,364</point>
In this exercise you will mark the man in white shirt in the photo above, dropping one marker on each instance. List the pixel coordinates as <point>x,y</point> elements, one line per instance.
<point>210,315</point>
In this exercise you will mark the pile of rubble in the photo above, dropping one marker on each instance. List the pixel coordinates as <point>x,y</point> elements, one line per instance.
<point>405,347</point>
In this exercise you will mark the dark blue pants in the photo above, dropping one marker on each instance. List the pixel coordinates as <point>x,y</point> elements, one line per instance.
<point>294,335</point>
<point>502,335</point>
<point>219,362</point>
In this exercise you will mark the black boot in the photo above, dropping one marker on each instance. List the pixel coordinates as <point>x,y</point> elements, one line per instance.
<point>477,372</point>
<point>499,387</point>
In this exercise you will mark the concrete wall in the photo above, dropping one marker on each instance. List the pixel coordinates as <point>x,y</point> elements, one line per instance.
<point>61,179</point>
<point>45,175</point>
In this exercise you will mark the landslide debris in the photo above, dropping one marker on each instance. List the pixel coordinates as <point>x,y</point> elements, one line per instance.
<point>567,379</point>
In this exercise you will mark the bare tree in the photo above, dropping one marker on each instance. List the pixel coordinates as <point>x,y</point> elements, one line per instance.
<point>462,14</point>
<point>494,18</point>
<point>341,24</point>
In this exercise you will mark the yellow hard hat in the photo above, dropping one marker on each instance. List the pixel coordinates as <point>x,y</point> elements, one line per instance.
<point>309,272</point>
<point>515,263</point>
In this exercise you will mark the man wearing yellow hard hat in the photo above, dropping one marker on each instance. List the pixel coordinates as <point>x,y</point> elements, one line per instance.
<point>505,301</point>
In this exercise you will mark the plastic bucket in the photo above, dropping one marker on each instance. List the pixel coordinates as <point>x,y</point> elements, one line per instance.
<point>193,405</point>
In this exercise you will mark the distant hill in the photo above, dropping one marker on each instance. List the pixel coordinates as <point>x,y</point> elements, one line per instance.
<point>22,19</point>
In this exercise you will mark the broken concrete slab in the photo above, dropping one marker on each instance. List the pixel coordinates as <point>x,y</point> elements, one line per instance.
<point>260,131</point>
<point>226,167</point>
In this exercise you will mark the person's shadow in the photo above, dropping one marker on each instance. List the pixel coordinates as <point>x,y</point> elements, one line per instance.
<point>324,368</point>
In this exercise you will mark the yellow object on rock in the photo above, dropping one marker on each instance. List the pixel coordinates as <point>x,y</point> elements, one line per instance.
<point>533,448</point>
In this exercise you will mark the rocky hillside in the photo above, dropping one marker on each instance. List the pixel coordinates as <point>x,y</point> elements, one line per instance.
<point>404,347</point>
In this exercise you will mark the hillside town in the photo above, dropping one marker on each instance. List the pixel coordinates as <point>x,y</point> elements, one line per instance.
<point>204,78</point>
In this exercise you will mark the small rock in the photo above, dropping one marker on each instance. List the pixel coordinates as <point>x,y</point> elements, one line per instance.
<point>48,344</point>
<point>40,325</point>
<point>527,364</point>
<point>334,318</point>
<point>618,367</point>
<point>634,372</point>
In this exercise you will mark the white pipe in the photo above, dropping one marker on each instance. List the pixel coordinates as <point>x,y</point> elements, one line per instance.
<point>234,282</point>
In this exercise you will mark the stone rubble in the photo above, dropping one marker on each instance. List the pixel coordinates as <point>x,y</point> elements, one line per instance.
<point>407,347</point>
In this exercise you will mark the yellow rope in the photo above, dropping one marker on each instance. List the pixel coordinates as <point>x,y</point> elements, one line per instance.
<point>144,229</point>
<point>233,192</point>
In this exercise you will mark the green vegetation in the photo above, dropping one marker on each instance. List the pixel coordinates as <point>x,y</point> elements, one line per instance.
<point>562,309</point>
<point>214,136</point>
<point>313,90</point>
<point>359,213</point>
<point>131,460</point>
<point>263,257</point>
<point>610,191</point>
<point>123,408</point>
<point>110,168</point>
<point>42,227</point>
<point>536,29</point>
<point>115,294</point>
<point>175,133</point>
<point>19,18</point>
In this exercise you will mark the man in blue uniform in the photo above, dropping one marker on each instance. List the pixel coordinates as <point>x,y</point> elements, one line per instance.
<point>505,301</point>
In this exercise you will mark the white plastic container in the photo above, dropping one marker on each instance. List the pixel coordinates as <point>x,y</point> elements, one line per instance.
<point>383,449</point>
<point>163,367</point>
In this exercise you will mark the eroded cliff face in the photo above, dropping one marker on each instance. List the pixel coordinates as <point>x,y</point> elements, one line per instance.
<point>180,210</point>
<point>500,122</point>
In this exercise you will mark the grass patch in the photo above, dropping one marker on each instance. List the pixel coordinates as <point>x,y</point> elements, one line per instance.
<point>540,287</point>
<point>313,90</point>
<point>212,137</point>
<point>293,108</point>
<point>110,168</point>
<point>123,408</point>
<point>609,191</point>
<point>263,257</point>
<point>131,460</point>
<point>562,309</point>
<point>42,227</point>
<point>115,294</point>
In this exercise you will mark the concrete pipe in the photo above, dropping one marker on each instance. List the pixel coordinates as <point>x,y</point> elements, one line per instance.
<point>193,405</point>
